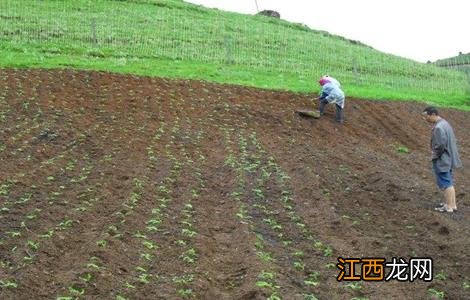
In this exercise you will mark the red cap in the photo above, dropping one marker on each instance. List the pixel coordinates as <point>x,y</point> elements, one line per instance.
<point>324,80</point>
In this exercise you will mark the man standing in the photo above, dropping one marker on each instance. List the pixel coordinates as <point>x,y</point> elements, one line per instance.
<point>445,157</point>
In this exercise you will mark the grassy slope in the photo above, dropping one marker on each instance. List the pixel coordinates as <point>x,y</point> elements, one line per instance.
<point>175,39</point>
<point>460,62</point>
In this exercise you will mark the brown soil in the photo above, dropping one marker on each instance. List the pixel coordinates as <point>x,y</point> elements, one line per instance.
<point>150,188</point>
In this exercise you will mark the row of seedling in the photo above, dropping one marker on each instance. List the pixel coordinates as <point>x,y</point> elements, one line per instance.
<point>54,164</point>
<point>188,253</point>
<point>245,169</point>
<point>114,230</point>
<point>57,197</point>
<point>164,194</point>
<point>260,171</point>
<point>147,245</point>
<point>33,239</point>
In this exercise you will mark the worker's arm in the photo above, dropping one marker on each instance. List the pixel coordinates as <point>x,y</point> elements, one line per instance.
<point>323,95</point>
<point>439,142</point>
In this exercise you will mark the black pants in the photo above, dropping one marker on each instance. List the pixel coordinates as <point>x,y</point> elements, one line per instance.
<point>339,111</point>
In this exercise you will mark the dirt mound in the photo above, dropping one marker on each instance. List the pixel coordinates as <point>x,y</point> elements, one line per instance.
<point>121,187</point>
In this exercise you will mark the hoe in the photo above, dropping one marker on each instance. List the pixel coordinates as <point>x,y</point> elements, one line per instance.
<point>308,113</point>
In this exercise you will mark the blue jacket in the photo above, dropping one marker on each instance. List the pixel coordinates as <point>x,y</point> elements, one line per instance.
<point>333,94</point>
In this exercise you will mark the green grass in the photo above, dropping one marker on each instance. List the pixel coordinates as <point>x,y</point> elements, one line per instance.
<point>179,40</point>
<point>461,59</point>
<point>460,63</point>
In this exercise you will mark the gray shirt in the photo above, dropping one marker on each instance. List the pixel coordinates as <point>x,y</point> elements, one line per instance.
<point>445,154</point>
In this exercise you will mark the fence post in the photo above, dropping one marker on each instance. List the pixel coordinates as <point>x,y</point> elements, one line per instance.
<point>94,37</point>
<point>228,50</point>
<point>357,78</point>
<point>468,80</point>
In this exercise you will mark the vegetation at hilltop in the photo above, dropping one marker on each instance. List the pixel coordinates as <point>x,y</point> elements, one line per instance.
<point>460,62</point>
<point>171,38</point>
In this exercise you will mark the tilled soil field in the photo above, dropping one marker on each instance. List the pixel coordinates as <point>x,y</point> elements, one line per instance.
<point>125,187</point>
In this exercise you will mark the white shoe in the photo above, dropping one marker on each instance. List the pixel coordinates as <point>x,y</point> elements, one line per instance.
<point>443,208</point>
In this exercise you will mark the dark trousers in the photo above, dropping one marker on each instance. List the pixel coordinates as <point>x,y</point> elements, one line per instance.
<point>339,111</point>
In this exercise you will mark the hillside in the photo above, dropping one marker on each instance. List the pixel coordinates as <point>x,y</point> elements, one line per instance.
<point>126,187</point>
<point>175,39</point>
<point>460,62</point>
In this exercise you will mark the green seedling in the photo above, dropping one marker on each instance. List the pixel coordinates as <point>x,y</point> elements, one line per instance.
<point>274,296</point>
<point>151,228</point>
<point>129,286</point>
<point>5,189</point>
<point>32,245</point>
<point>185,293</point>
<point>189,256</point>
<point>355,286</point>
<point>265,256</point>
<point>140,236</point>
<point>87,277</point>
<point>330,266</point>
<point>112,230</point>
<point>180,242</point>
<point>144,278</point>
<point>288,207</point>
<point>466,285</point>
<point>65,224</point>
<point>299,265</point>
<point>313,279</point>
<point>154,222</point>
<point>80,208</point>
<point>441,276</point>
<point>318,245</point>
<point>147,256</point>
<point>328,251</point>
<point>93,265</point>
<point>163,189</point>
<point>149,245</point>
<point>8,284</point>
<point>25,198</point>
<point>258,193</point>
<point>287,243</point>
<point>403,149</point>
<point>187,223</point>
<point>101,243</point>
<point>236,195</point>
<point>28,258</point>
<point>436,293</point>
<point>265,284</point>
<point>188,232</point>
<point>195,194</point>
<point>77,291</point>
